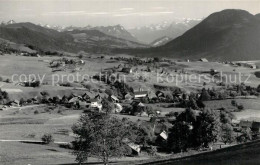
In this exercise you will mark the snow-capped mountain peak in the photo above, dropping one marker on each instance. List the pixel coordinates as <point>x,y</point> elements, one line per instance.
<point>150,33</point>
<point>10,22</point>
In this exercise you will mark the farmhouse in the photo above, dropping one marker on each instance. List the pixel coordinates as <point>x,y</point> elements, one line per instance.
<point>253,66</point>
<point>113,98</point>
<point>2,107</point>
<point>128,96</point>
<point>248,65</point>
<point>136,149</point>
<point>95,104</point>
<point>253,125</point>
<point>14,103</point>
<point>35,100</point>
<point>127,70</point>
<point>245,124</point>
<point>204,60</point>
<point>98,97</point>
<point>74,100</point>
<point>137,104</point>
<point>164,135</point>
<point>85,96</point>
<point>159,94</point>
<point>140,94</point>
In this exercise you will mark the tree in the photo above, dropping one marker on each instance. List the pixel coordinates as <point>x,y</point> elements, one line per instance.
<point>156,59</point>
<point>206,128</point>
<point>258,88</point>
<point>102,136</point>
<point>226,129</point>
<point>233,102</point>
<point>226,133</point>
<point>109,92</point>
<point>245,136</point>
<point>193,130</point>
<point>169,97</point>
<point>107,106</point>
<point>145,135</point>
<point>240,107</point>
<point>80,56</point>
<point>178,138</point>
<point>204,95</point>
<point>21,102</point>
<point>47,138</point>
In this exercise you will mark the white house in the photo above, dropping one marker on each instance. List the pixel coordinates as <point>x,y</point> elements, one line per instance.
<point>164,135</point>
<point>95,104</point>
<point>118,108</point>
<point>114,99</point>
<point>140,94</point>
<point>204,60</point>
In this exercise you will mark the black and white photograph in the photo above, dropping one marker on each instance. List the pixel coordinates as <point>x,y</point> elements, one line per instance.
<point>129,82</point>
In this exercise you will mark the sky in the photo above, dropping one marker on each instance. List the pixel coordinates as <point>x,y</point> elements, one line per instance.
<point>129,13</point>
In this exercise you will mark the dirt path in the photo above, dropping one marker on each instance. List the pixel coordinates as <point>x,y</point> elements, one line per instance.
<point>31,141</point>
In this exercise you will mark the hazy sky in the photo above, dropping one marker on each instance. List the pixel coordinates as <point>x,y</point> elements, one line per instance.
<point>129,13</point>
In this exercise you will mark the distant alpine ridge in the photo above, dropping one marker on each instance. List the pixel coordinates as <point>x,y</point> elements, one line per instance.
<point>149,34</point>
<point>226,35</point>
<point>117,31</point>
<point>45,38</point>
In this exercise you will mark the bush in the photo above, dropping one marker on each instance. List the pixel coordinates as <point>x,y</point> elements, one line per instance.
<point>109,92</point>
<point>36,112</point>
<point>233,102</point>
<point>59,111</point>
<point>156,59</point>
<point>95,90</point>
<point>47,138</point>
<point>88,86</point>
<point>80,56</point>
<point>8,80</point>
<point>240,107</point>
<point>45,93</point>
<point>152,151</point>
<point>257,74</point>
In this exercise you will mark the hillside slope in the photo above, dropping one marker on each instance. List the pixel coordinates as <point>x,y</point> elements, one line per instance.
<point>225,35</point>
<point>39,37</point>
<point>244,154</point>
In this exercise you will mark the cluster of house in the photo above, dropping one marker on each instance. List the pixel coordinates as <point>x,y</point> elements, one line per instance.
<point>254,126</point>
<point>96,102</point>
<point>64,63</point>
<point>249,64</point>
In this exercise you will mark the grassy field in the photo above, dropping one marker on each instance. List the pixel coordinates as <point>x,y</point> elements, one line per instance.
<point>247,103</point>
<point>25,125</point>
<point>251,108</point>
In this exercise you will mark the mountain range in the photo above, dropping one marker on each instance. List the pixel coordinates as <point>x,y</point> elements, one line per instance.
<point>148,34</point>
<point>117,31</point>
<point>230,34</point>
<point>46,39</point>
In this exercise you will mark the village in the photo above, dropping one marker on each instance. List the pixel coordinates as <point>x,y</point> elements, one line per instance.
<point>127,88</point>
